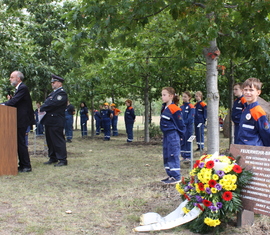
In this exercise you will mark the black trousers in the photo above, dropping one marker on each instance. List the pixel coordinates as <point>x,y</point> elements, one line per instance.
<point>23,155</point>
<point>56,143</point>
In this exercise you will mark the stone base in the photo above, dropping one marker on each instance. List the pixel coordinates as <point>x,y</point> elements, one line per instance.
<point>244,218</point>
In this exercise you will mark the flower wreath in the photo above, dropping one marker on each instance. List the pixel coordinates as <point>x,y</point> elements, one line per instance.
<point>214,187</point>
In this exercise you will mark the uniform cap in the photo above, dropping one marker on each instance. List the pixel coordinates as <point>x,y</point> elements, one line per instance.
<point>106,104</point>
<point>57,78</point>
<point>112,104</point>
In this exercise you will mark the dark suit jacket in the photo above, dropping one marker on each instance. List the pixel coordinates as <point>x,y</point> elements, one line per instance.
<point>23,102</point>
<point>55,106</point>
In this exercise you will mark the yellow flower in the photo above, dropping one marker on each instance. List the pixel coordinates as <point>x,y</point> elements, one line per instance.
<point>234,178</point>
<point>211,222</point>
<point>207,220</point>
<point>228,168</point>
<point>192,172</point>
<point>185,210</point>
<point>179,189</point>
<point>217,222</point>
<point>234,187</point>
<point>215,177</point>
<point>222,182</point>
<point>224,159</point>
<point>214,190</point>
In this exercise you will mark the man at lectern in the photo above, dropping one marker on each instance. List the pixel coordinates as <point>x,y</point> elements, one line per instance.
<point>25,117</point>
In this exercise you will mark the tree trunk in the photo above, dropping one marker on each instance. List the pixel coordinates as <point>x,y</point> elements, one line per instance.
<point>92,118</point>
<point>211,55</point>
<point>231,95</point>
<point>146,111</point>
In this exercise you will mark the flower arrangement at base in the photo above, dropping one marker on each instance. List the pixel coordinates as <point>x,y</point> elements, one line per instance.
<point>214,186</point>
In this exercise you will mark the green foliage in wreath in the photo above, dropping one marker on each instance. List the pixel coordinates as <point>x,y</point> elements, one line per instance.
<point>214,186</point>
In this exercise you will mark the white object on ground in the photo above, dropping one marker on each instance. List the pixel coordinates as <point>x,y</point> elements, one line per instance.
<point>154,222</point>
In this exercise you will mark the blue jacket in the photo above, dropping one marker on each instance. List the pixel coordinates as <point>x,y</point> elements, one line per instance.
<point>83,113</point>
<point>254,126</point>
<point>97,115</point>
<point>238,105</point>
<point>200,112</point>
<point>105,114</point>
<point>129,115</point>
<point>188,112</point>
<point>171,119</point>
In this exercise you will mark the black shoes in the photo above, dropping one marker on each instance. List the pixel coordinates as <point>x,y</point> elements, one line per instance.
<point>25,169</point>
<point>49,162</point>
<point>61,164</point>
<point>68,141</point>
<point>58,163</point>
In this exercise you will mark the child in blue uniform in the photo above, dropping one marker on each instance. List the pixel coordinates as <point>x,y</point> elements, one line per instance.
<point>188,112</point>
<point>97,117</point>
<point>116,112</point>
<point>106,116</point>
<point>254,125</point>
<point>200,117</point>
<point>173,128</point>
<point>129,120</point>
<point>238,106</point>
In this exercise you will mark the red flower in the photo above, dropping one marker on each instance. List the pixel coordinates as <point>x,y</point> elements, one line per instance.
<point>183,180</point>
<point>231,158</point>
<point>200,207</point>
<point>237,169</point>
<point>187,197</point>
<point>212,183</point>
<point>192,179</point>
<point>207,203</point>
<point>210,164</point>
<point>196,164</point>
<point>201,186</point>
<point>204,158</point>
<point>227,196</point>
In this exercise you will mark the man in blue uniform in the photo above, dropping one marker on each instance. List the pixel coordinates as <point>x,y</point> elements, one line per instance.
<point>54,121</point>
<point>254,125</point>
<point>238,106</point>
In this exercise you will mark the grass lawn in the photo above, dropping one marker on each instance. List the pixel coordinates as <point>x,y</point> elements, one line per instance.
<point>104,190</point>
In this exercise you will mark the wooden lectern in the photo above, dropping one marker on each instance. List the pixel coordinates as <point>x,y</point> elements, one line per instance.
<point>8,141</point>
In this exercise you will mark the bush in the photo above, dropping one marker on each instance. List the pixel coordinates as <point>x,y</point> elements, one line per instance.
<point>154,131</point>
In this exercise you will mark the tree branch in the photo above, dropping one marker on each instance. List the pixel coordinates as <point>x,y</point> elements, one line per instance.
<point>199,4</point>
<point>162,9</point>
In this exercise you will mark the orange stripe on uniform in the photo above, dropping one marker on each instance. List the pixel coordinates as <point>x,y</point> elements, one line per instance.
<point>174,108</point>
<point>116,112</point>
<point>191,106</point>
<point>203,104</point>
<point>257,112</point>
<point>243,100</point>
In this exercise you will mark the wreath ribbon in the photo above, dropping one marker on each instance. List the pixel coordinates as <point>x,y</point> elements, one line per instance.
<point>154,222</point>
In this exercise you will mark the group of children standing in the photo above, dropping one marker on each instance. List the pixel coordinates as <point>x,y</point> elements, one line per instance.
<point>251,126</point>
<point>107,117</point>
<point>177,125</point>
